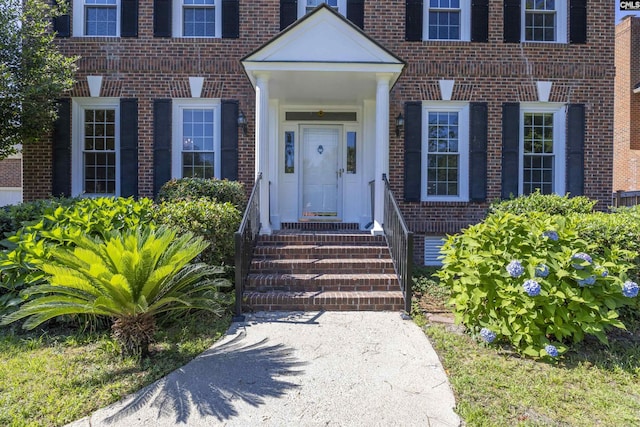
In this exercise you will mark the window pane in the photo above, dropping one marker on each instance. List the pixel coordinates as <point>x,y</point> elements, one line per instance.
<point>199,22</point>
<point>197,143</point>
<point>99,157</point>
<point>351,152</point>
<point>289,152</point>
<point>100,20</point>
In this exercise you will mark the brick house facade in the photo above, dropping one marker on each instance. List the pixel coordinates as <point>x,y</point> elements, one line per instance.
<point>497,99</point>
<point>626,167</point>
<point>11,180</point>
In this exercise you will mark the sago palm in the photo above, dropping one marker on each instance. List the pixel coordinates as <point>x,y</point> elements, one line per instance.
<point>131,277</point>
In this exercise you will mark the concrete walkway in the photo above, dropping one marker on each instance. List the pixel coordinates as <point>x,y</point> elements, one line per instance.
<point>300,369</point>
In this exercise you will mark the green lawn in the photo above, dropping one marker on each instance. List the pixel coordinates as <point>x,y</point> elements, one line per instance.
<point>593,385</point>
<point>53,377</point>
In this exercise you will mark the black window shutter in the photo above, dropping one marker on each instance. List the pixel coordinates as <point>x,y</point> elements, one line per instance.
<point>129,147</point>
<point>161,143</point>
<point>575,149</point>
<point>480,21</point>
<point>230,19</point>
<point>510,149</point>
<point>413,20</point>
<point>512,21</point>
<point>355,12</point>
<point>478,152</point>
<point>62,23</point>
<point>288,13</point>
<point>162,18</point>
<point>61,151</point>
<point>412,151</point>
<point>578,21</point>
<point>229,140</point>
<point>62,26</point>
<point>129,18</point>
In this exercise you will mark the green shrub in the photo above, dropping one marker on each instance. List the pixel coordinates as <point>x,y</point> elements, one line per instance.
<point>12,217</point>
<point>30,246</point>
<point>197,188</point>
<point>554,300</point>
<point>620,228</point>
<point>214,221</point>
<point>132,277</point>
<point>552,204</point>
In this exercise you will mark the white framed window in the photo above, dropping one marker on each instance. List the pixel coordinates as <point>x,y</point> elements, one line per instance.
<point>96,18</point>
<point>544,21</point>
<point>195,151</point>
<point>445,151</point>
<point>197,18</point>
<point>447,20</point>
<point>542,148</point>
<point>306,6</point>
<point>95,148</point>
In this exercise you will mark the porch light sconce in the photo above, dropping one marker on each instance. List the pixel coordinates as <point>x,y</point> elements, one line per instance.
<point>399,124</point>
<point>242,122</point>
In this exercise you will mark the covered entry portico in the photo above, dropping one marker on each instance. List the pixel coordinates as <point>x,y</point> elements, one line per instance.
<point>322,122</point>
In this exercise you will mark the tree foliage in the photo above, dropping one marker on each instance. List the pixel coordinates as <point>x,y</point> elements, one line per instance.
<point>33,73</point>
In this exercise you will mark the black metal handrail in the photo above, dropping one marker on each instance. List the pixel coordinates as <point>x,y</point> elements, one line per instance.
<point>626,198</point>
<point>400,241</point>
<point>245,240</point>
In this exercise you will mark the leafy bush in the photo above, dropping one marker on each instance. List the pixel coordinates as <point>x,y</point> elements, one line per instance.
<point>213,221</point>
<point>197,188</point>
<point>59,225</point>
<point>552,204</point>
<point>620,228</point>
<point>13,217</point>
<point>527,280</point>
<point>131,277</point>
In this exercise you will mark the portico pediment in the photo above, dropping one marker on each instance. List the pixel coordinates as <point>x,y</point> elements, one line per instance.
<point>322,41</point>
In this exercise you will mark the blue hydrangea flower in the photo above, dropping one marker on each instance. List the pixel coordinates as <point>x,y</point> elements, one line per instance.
<point>488,335</point>
<point>515,268</point>
<point>551,235</point>
<point>551,350</point>
<point>532,288</point>
<point>587,282</point>
<point>542,270</point>
<point>630,289</point>
<point>581,256</point>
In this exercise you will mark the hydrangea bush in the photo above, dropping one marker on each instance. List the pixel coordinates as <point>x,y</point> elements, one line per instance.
<point>531,281</point>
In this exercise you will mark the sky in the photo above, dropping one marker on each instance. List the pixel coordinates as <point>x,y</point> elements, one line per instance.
<point>620,14</point>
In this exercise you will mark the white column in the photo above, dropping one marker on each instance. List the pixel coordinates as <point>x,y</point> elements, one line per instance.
<point>262,148</point>
<point>382,149</point>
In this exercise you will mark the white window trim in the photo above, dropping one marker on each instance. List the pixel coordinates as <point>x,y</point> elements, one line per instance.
<point>79,105</point>
<point>302,8</point>
<point>561,23</point>
<point>176,141</point>
<point>462,108</point>
<point>177,21</point>
<point>465,22</point>
<point>559,142</point>
<point>79,21</point>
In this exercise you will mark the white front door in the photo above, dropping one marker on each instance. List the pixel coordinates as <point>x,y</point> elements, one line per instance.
<point>321,185</point>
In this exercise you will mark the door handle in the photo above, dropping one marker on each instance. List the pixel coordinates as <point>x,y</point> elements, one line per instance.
<point>339,173</point>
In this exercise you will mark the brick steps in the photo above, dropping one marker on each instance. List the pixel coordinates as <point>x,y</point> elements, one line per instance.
<point>321,265</point>
<point>330,301</point>
<point>322,282</point>
<point>322,270</point>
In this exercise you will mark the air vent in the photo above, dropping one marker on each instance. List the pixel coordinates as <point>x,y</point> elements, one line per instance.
<point>432,245</point>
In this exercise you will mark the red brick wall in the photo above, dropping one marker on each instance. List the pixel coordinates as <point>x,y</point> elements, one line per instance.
<point>626,175</point>
<point>495,72</point>
<point>10,173</point>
